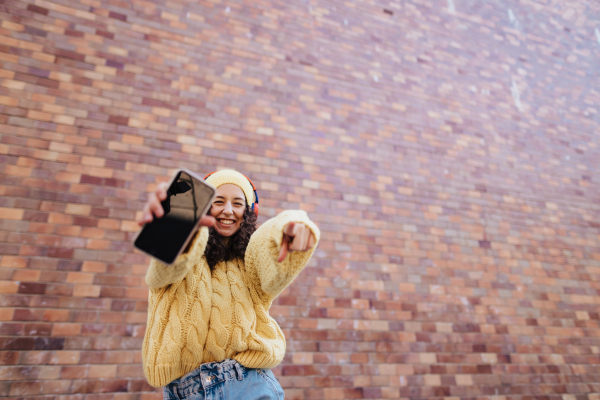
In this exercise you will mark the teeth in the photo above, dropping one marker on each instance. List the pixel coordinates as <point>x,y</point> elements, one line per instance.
<point>226,221</point>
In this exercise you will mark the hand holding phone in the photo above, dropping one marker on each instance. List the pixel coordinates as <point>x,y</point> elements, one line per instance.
<point>153,207</point>
<point>172,214</point>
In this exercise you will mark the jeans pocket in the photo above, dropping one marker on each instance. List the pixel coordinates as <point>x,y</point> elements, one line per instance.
<point>272,382</point>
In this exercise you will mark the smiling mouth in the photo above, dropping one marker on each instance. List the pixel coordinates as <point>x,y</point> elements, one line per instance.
<point>226,221</point>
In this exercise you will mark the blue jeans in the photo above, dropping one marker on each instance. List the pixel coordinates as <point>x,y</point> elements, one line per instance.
<point>225,380</point>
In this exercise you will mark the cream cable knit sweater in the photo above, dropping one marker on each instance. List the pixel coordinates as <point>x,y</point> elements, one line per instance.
<point>195,317</point>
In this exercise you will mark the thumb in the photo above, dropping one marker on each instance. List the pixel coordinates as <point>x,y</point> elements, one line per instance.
<point>289,229</point>
<point>284,248</point>
<point>207,220</point>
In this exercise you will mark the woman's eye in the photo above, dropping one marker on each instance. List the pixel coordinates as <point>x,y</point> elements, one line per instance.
<point>239,204</point>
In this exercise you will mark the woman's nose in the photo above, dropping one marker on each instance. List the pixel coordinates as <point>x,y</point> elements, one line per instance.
<point>228,209</point>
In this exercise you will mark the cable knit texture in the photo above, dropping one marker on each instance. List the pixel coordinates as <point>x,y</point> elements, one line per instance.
<point>195,316</point>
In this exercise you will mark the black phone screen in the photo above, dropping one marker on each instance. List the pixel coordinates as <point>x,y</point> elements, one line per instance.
<point>187,200</point>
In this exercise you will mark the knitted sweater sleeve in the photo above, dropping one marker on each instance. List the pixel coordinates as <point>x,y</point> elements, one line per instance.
<point>160,275</point>
<point>267,275</point>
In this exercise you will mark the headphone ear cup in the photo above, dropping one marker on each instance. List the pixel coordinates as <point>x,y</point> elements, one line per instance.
<point>255,208</point>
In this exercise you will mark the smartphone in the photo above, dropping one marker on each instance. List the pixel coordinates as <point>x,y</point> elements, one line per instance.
<point>188,199</point>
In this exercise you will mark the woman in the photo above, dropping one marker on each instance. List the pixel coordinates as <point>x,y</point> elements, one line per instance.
<point>209,333</point>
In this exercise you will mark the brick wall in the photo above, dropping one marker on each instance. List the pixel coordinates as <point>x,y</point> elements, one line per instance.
<point>448,149</point>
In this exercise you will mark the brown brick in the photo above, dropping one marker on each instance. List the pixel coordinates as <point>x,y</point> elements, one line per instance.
<point>9,357</point>
<point>73,372</point>
<point>37,9</point>
<point>25,388</point>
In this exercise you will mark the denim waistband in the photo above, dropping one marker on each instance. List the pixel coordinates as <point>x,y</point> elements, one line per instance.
<point>204,377</point>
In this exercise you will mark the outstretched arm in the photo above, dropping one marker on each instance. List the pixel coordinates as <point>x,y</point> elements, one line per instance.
<point>160,275</point>
<point>279,250</point>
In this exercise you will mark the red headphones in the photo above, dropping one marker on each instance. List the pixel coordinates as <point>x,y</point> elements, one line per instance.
<point>255,204</point>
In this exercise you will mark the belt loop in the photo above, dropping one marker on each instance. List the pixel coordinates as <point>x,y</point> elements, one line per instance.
<point>238,369</point>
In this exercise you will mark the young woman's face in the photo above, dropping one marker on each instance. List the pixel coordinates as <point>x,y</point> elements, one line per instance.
<point>228,209</point>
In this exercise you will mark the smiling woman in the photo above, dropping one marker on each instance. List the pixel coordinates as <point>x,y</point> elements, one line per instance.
<point>209,333</point>
<point>234,225</point>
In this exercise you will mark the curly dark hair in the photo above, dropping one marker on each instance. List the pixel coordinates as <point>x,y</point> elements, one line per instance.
<point>218,249</point>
